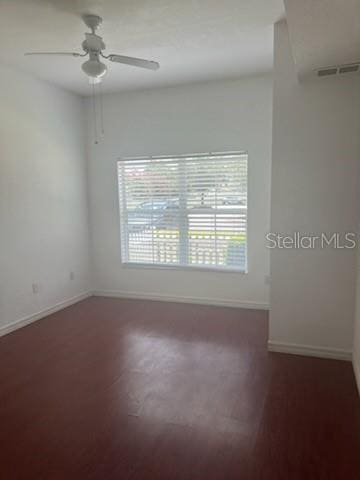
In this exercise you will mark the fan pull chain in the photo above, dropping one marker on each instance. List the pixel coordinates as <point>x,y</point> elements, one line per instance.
<point>94,114</point>
<point>101,109</point>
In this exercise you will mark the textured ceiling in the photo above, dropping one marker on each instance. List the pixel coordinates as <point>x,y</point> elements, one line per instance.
<point>323,33</point>
<point>194,40</point>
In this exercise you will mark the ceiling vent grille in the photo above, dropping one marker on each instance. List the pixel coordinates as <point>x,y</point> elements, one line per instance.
<point>349,68</point>
<point>338,70</point>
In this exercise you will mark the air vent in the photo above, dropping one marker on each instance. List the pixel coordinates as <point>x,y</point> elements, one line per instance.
<point>327,71</point>
<point>338,70</point>
<point>349,69</point>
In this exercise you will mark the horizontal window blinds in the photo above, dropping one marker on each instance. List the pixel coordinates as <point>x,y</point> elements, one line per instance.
<point>184,211</point>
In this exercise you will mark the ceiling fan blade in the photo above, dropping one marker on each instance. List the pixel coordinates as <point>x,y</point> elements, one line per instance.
<point>135,62</point>
<point>69,54</point>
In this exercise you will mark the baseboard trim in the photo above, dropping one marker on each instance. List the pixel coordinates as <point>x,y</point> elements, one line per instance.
<point>179,299</point>
<point>23,322</point>
<point>357,374</point>
<point>309,350</point>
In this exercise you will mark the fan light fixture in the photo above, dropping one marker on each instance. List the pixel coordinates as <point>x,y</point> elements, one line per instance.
<point>94,68</point>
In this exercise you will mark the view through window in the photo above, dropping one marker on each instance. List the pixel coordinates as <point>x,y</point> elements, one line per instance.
<point>185,210</point>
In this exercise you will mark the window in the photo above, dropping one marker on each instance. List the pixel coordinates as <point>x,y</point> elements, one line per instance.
<point>184,211</point>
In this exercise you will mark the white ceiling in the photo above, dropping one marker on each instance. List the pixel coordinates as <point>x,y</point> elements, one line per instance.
<point>323,33</point>
<point>194,40</point>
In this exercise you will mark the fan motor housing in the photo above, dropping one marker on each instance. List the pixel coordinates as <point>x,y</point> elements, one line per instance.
<point>93,43</point>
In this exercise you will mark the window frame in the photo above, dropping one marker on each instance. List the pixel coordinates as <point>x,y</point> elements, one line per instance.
<point>182,266</point>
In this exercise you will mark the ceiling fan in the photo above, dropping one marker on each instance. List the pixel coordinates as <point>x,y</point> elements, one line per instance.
<point>93,47</point>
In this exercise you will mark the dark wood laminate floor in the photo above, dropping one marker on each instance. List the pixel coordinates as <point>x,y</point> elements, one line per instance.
<point>124,389</point>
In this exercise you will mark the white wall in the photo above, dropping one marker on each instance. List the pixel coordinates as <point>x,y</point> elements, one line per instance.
<point>315,172</point>
<point>43,196</point>
<point>356,345</point>
<point>356,340</point>
<point>220,116</point>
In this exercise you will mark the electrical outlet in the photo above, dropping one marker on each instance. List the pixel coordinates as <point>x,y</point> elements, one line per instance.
<point>35,288</point>
<point>72,276</point>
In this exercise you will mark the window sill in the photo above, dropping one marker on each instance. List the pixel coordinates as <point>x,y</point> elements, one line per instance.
<point>186,268</point>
